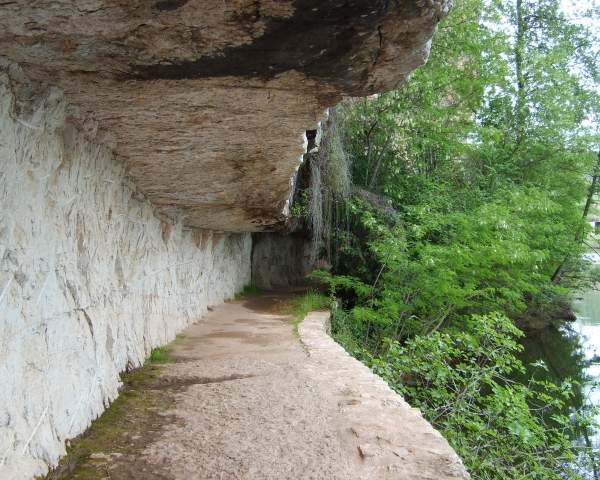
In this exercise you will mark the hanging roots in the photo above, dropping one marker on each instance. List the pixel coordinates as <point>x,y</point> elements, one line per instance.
<point>330,182</point>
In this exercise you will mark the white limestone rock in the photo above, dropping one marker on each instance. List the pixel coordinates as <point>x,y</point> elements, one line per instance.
<point>90,280</point>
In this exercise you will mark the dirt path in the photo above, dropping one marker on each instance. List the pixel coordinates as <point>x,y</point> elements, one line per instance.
<point>241,397</point>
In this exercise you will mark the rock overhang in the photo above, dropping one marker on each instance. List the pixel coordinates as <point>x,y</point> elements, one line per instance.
<point>207,101</point>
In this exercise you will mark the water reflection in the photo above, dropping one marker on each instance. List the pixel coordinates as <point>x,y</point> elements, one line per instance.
<point>587,328</point>
<point>571,352</point>
<point>562,351</point>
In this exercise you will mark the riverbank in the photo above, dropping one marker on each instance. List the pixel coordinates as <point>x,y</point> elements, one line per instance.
<point>570,352</point>
<point>554,314</point>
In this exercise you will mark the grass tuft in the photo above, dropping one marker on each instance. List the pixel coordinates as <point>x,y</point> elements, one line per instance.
<point>159,355</point>
<point>307,303</point>
<point>249,290</point>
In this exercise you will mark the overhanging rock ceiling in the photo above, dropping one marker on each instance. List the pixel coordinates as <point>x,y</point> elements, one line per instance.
<point>207,101</point>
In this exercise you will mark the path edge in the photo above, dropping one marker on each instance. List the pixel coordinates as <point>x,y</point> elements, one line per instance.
<point>336,363</point>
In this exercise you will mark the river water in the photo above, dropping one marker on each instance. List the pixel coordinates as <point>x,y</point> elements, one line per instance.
<point>587,329</point>
<point>573,351</point>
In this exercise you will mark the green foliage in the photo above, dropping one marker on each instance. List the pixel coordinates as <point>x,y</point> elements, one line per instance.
<point>468,191</point>
<point>485,209</point>
<point>249,290</point>
<point>309,302</point>
<point>159,355</point>
<point>459,379</point>
<point>300,206</point>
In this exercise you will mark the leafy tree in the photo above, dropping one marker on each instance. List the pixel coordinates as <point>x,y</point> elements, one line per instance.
<point>468,195</point>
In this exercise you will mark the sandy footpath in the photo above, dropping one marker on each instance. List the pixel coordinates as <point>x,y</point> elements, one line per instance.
<point>251,399</point>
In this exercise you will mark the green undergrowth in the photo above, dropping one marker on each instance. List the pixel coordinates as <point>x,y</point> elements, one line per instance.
<point>162,354</point>
<point>159,355</point>
<point>249,290</point>
<point>305,304</point>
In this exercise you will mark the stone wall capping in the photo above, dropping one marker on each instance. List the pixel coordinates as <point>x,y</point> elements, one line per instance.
<point>392,438</point>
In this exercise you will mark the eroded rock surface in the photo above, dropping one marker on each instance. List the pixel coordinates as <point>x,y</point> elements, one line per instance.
<point>281,261</point>
<point>208,100</point>
<point>91,279</point>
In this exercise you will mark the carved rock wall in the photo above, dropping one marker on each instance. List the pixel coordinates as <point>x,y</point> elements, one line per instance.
<point>91,279</point>
<point>281,261</point>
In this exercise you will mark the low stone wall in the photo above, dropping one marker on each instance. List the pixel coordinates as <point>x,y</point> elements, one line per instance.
<point>90,279</point>
<point>391,438</point>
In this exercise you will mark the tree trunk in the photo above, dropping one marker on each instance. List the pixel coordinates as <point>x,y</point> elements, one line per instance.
<point>521,112</point>
<point>559,272</point>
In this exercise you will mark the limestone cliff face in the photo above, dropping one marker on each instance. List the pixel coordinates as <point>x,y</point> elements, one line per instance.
<point>91,279</point>
<point>208,100</point>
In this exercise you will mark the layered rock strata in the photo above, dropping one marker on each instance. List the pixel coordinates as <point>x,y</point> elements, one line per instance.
<point>207,101</point>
